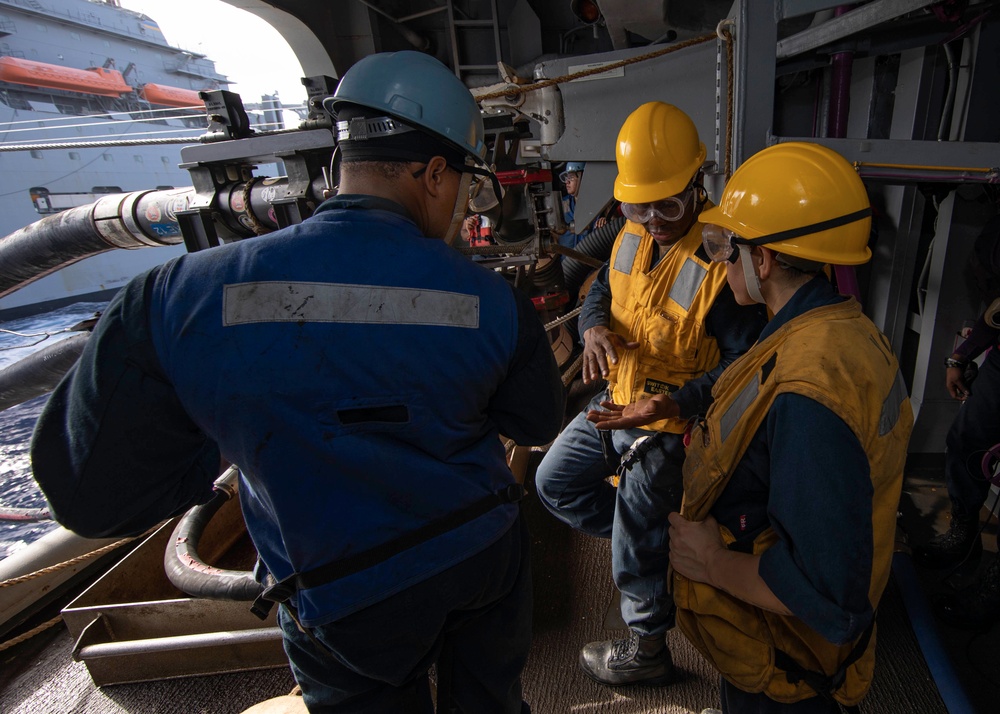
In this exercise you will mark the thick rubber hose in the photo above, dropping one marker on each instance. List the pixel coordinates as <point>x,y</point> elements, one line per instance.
<point>190,574</point>
<point>597,244</point>
<point>39,372</point>
<point>47,245</point>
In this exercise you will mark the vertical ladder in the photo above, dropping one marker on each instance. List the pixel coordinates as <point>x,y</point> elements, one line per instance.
<point>465,25</point>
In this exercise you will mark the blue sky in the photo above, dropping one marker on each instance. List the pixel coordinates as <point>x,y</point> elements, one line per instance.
<point>244,47</point>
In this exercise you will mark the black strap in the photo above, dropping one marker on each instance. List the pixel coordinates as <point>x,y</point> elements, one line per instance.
<point>335,570</point>
<point>822,684</point>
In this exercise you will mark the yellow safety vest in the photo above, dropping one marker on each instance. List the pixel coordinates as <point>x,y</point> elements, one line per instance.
<point>664,310</point>
<point>837,357</point>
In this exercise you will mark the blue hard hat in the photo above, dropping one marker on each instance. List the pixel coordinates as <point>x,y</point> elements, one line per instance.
<point>418,90</point>
<point>574,167</point>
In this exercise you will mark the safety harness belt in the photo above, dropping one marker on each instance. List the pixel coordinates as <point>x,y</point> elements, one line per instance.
<point>282,590</point>
<point>822,684</point>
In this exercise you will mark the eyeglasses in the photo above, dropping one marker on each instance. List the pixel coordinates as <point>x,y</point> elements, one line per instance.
<point>668,209</point>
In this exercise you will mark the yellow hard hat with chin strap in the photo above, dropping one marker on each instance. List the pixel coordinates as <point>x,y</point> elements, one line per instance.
<point>658,154</point>
<point>800,199</point>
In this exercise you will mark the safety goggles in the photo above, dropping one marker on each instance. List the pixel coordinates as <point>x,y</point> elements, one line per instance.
<point>720,243</point>
<point>668,209</point>
<point>485,191</point>
<point>567,175</point>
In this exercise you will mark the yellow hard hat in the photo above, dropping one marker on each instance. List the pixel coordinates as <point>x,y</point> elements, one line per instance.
<point>658,154</point>
<point>801,199</point>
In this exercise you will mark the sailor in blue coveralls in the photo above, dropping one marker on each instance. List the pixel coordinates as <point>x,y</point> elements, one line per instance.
<point>359,371</point>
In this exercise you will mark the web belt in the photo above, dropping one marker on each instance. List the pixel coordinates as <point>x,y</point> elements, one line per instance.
<point>284,589</point>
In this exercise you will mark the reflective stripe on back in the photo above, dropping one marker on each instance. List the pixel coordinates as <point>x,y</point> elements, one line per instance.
<point>245,303</point>
<point>891,405</point>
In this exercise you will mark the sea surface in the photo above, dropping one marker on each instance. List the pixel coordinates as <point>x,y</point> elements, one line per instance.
<point>18,339</point>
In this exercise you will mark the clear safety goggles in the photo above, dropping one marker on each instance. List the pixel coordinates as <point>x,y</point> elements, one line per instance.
<point>721,243</point>
<point>567,175</point>
<point>668,209</point>
<point>485,191</point>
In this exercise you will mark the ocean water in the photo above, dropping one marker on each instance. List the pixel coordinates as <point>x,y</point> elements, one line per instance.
<point>18,339</point>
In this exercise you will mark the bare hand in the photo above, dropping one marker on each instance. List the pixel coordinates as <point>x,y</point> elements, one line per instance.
<point>630,416</point>
<point>600,222</point>
<point>601,346</point>
<point>954,382</point>
<point>693,545</point>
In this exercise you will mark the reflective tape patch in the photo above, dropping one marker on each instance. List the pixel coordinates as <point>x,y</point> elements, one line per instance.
<point>735,411</point>
<point>891,406</point>
<point>687,284</point>
<point>625,258</point>
<point>245,303</point>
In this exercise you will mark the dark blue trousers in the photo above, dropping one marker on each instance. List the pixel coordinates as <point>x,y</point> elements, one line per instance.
<point>472,621</point>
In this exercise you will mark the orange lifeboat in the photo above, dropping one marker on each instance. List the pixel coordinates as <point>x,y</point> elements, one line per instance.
<point>169,96</point>
<point>96,80</point>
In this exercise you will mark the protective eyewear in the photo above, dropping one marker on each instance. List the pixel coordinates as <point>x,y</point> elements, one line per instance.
<point>485,191</point>
<point>567,175</point>
<point>720,243</point>
<point>668,209</point>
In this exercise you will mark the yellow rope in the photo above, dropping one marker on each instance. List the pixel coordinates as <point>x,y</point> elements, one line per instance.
<point>30,633</point>
<point>524,89</point>
<point>65,564</point>
<point>727,35</point>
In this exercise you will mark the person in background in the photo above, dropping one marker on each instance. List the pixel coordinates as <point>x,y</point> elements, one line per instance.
<point>974,432</point>
<point>659,324</point>
<point>360,372</point>
<point>783,546</point>
<point>571,178</point>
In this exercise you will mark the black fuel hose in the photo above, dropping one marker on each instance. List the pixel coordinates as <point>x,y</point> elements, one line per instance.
<point>185,568</point>
<point>39,372</point>
<point>597,244</point>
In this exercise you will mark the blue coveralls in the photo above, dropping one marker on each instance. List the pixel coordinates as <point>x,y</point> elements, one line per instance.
<point>359,374</point>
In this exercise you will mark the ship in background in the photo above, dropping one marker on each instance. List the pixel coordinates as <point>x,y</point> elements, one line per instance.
<point>90,70</point>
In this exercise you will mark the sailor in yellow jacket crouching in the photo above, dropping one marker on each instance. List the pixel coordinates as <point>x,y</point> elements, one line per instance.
<point>782,548</point>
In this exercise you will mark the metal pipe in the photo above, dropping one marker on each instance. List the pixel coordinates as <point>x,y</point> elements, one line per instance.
<point>836,127</point>
<point>944,125</point>
<point>177,643</point>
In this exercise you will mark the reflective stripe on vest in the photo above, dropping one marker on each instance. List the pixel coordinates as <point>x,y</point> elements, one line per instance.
<point>687,284</point>
<point>626,253</point>
<point>735,411</point>
<point>891,406</point>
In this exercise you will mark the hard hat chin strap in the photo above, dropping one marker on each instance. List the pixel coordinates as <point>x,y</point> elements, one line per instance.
<point>750,274</point>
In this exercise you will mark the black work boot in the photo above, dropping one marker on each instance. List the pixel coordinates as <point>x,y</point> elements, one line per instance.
<point>975,607</point>
<point>638,659</point>
<point>960,542</point>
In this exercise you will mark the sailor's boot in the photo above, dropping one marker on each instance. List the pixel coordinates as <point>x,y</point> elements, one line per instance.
<point>975,607</point>
<point>960,542</point>
<point>637,659</point>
